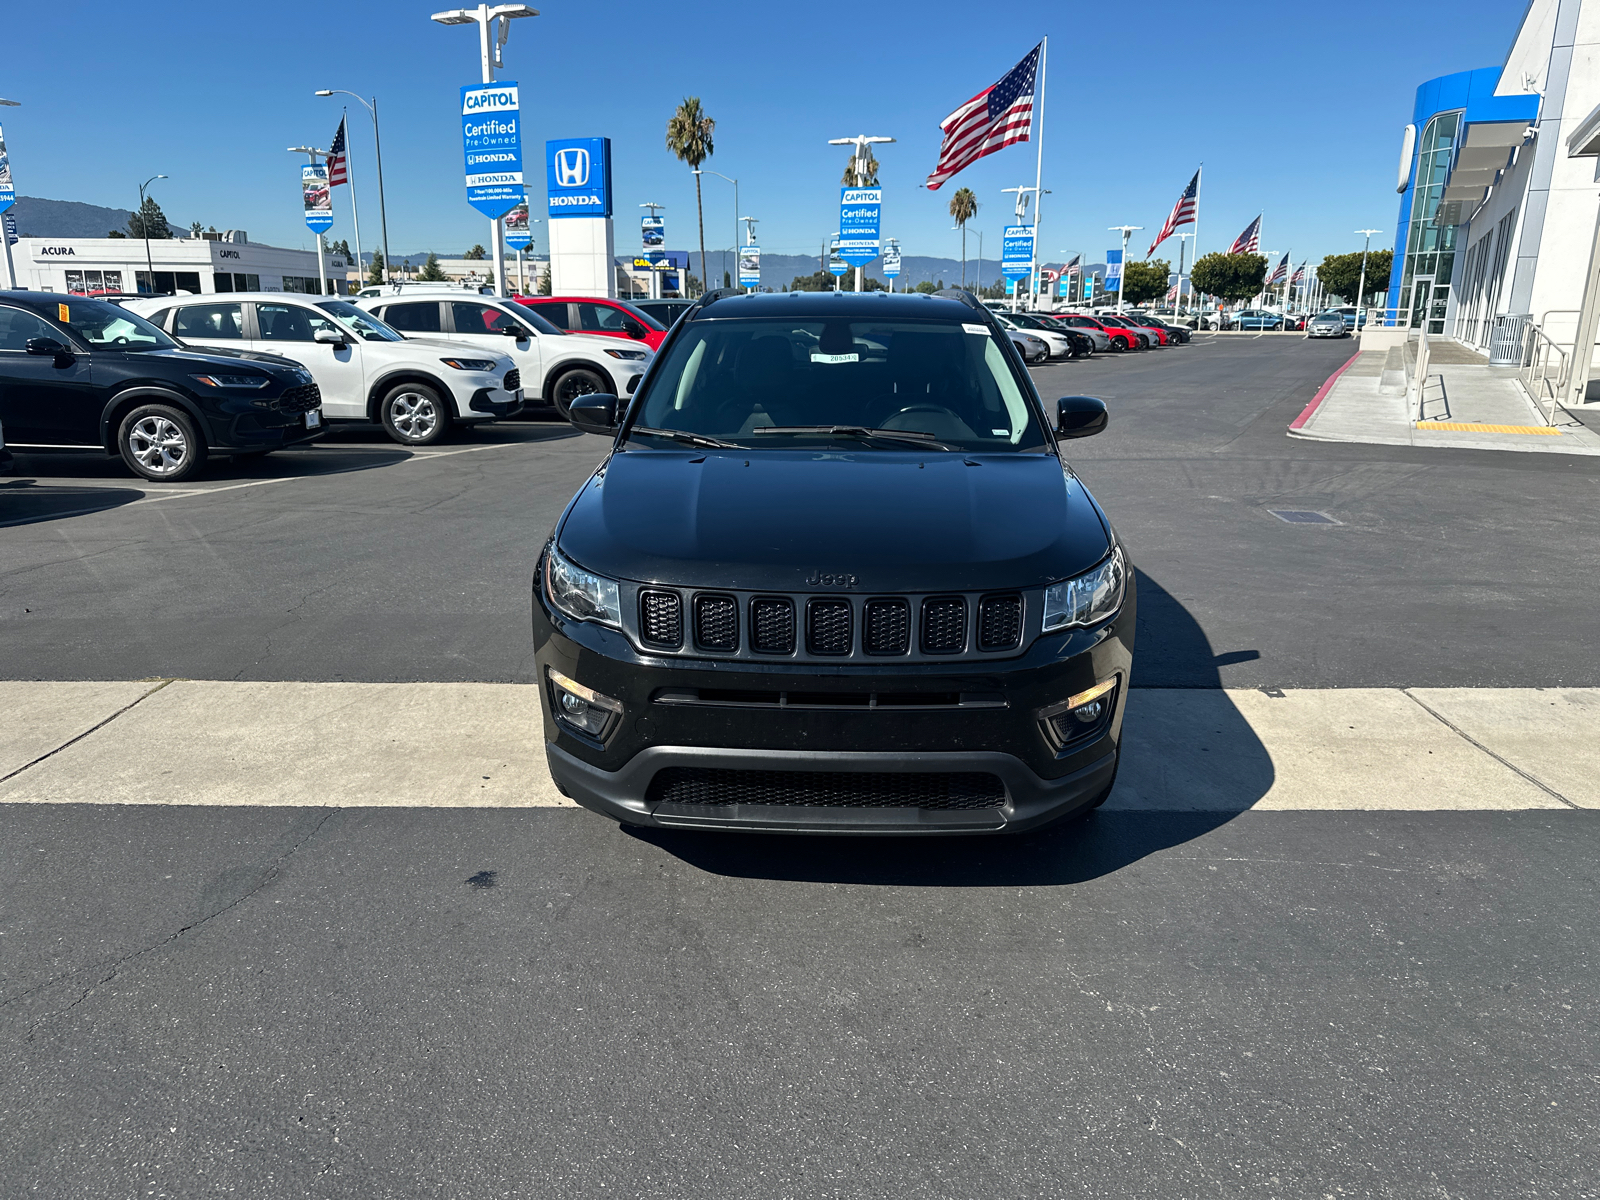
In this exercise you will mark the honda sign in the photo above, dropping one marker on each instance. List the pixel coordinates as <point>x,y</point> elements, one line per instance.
<point>578,175</point>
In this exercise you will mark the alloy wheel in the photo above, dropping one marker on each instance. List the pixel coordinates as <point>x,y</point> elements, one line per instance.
<point>159,445</point>
<point>414,415</point>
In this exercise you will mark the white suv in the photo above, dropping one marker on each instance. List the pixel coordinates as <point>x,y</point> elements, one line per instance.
<point>366,371</point>
<point>557,366</point>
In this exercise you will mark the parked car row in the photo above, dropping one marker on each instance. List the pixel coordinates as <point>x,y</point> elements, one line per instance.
<point>1040,336</point>
<point>177,379</point>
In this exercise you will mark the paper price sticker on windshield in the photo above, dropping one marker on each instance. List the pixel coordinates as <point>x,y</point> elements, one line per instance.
<point>63,314</point>
<point>980,330</point>
<point>835,358</point>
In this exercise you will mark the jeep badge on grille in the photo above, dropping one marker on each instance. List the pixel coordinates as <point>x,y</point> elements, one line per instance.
<point>827,579</point>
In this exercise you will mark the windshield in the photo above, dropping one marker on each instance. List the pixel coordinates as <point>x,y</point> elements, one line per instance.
<point>364,323</point>
<point>106,325</point>
<point>951,383</point>
<point>641,316</point>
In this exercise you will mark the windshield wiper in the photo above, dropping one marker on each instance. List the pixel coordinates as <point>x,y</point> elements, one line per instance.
<point>688,439</point>
<point>858,431</point>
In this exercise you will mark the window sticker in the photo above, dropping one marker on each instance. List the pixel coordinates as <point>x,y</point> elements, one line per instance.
<point>63,314</point>
<point>835,358</point>
<point>980,330</point>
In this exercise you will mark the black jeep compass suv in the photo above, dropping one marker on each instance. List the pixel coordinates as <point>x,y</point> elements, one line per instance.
<point>835,576</point>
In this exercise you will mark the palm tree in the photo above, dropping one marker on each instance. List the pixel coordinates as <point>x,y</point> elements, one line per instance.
<point>871,180</point>
<point>689,133</point>
<point>963,207</point>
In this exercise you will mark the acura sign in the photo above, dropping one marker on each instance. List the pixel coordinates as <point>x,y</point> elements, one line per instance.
<point>578,177</point>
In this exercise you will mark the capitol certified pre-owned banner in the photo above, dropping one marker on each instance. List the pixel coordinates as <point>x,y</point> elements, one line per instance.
<point>653,232</point>
<point>8,190</point>
<point>517,231</point>
<point>749,266</point>
<point>1016,251</point>
<point>859,210</point>
<point>491,139</point>
<point>317,198</point>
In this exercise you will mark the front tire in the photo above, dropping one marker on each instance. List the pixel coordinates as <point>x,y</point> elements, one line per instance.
<point>579,381</point>
<point>414,415</point>
<point>160,443</point>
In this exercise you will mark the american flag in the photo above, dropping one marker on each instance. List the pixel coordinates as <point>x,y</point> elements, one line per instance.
<point>1183,213</point>
<point>1249,241</point>
<point>990,121</point>
<point>1172,293</point>
<point>1280,272</point>
<point>338,159</point>
<point>1299,274</point>
<point>1072,268</point>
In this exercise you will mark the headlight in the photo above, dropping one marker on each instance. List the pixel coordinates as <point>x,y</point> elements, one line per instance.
<point>634,354</point>
<point>579,593</point>
<point>232,381</point>
<point>1089,598</point>
<point>469,364</point>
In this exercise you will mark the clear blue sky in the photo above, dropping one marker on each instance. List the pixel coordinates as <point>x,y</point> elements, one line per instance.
<point>1295,108</point>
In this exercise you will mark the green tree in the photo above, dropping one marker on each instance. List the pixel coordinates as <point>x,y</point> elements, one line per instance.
<point>963,207</point>
<point>849,177</point>
<point>149,221</point>
<point>116,233</point>
<point>476,254</point>
<point>727,280</point>
<point>1143,281</point>
<point>1341,274</point>
<point>927,286</point>
<point>375,275</point>
<point>195,230</point>
<point>689,136</point>
<point>430,272</point>
<point>1231,277</point>
<point>817,281</point>
<point>544,281</point>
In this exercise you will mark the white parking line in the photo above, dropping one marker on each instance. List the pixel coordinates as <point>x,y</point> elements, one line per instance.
<point>471,745</point>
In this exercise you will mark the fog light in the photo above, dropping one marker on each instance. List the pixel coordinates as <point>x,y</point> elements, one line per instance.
<point>583,709</point>
<point>1089,713</point>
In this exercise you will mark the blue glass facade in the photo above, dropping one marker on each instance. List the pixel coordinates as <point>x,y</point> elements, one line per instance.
<point>1425,247</point>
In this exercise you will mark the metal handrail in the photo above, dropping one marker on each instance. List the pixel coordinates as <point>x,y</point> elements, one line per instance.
<point>1537,380</point>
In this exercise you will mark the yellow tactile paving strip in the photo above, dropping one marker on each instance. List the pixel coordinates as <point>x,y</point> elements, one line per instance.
<point>1474,427</point>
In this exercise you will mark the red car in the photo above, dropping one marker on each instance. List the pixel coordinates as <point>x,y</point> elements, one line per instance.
<point>1156,334</point>
<point>1145,337</point>
<point>598,315</point>
<point>1121,339</point>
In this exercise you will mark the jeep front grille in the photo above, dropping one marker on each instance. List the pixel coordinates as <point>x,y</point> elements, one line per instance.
<point>661,618</point>
<point>716,622</point>
<point>772,625</point>
<point>828,627</point>
<point>887,627</point>
<point>944,625</point>
<point>999,622</point>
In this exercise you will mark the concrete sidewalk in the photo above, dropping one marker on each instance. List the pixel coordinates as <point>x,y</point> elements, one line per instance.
<point>472,745</point>
<point>1465,405</point>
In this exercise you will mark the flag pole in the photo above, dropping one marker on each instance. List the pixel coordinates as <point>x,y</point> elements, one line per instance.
<point>355,214</point>
<point>1038,176</point>
<point>1199,180</point>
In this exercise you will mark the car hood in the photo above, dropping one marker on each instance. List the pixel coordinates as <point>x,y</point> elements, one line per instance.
<point>899,522</point>
<point>220,356</point>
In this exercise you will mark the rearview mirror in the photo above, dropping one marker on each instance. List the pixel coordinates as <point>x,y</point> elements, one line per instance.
<point>329,337</point>
<point>1080,416</point>
<point>594,413</point>
<point>46,346</point>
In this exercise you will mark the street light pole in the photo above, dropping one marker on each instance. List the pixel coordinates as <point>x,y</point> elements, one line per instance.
<point>858,166</point>
<point>1362,286</point>
<point>489,58</point>
<point>1122,275</point>
<point>144,226</point>
<point>322,270</point>
<point>377,151</point>
<point>1023,196</point>
<point>735,183</point>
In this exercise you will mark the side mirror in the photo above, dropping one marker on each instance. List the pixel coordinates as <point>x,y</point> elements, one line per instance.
<point>329,337</point>
<point>517,331</point>
<point>634,330</point>
<point>47,346</point>
<point>594,413</point>
<point>1080,416</point>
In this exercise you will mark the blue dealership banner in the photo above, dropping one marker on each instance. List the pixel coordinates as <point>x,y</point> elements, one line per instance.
<point>653,232</point>
<point>517,231</point>
<point>1016,251</point>
<point>891,259</point>
<point>8,190</point>
<point>491,141</point>
<point>1113,270</point>
<point>317,198</point>
<point>836,263</point>
<point>578,176</point>
<point>750,266</point>
<point>860,210</point>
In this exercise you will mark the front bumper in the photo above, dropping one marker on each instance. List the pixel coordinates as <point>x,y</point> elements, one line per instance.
<point>980,717</point>
<point>495,402</point>
<point>237,428</point>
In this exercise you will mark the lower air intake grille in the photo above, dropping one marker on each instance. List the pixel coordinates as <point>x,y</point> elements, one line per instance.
<point>999,622</point>
<point>716,622</point>
<point>828,627</point>
<point>887,627</point>
<point>772,625</point>
<point>299,399</point>
<point>513,380</point>
<point>826,789</point>
<point>944,625</point>
<point>661,618</point>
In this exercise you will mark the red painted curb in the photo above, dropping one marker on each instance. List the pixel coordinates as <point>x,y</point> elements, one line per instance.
<point>1322,393</point>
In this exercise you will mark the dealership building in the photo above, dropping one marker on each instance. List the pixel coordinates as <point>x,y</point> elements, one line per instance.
<point>212,262</point>
<point>1497,215</point>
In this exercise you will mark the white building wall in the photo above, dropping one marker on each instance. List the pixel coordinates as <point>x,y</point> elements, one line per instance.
<point>582,257</point>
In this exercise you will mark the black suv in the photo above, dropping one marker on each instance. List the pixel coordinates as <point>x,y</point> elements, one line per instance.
<point>84,374</point>
<point>835,576</point>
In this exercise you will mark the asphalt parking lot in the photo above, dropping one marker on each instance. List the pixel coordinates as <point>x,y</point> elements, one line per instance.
<point>421,1001</point>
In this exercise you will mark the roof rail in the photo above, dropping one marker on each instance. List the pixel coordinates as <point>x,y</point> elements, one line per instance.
<point>963,295</point>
